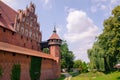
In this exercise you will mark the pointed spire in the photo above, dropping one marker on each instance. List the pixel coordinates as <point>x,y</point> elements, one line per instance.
<point>54,29</point>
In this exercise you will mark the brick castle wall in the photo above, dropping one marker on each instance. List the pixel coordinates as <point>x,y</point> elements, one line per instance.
<point>14,38</point>
<point>8,59</point>
<point>49,67</point>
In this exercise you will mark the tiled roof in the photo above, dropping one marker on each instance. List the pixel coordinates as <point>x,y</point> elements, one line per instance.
<point>23,51</point>
<point>7,16</point>
<point>54,36</point>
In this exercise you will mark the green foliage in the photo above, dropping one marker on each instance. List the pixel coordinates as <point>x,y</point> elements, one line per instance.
<point>35,68</point>
<point>84,67</point>
<point>67,56</point>
<point>96,57</point>
<point>77,63</point>
<point>81,66</point>
<point>46,50</point>
<point>105,52</point>
<point>1,71</point>
<point>16,70</point>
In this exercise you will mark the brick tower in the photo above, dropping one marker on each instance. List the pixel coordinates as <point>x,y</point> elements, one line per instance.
<point>54,45</point>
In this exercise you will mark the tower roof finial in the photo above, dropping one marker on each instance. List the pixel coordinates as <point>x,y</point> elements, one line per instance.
<point>54,29</point>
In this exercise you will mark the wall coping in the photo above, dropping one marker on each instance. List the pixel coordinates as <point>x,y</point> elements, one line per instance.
<point>24,51</point>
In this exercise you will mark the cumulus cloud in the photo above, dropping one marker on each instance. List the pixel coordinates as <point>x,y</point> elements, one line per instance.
<point>104,5</point>
<point>47,3</point>
<point>79,26</point>
<point>81,32</point>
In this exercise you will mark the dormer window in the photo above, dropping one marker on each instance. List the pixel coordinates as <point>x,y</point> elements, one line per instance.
<point>12,24</point>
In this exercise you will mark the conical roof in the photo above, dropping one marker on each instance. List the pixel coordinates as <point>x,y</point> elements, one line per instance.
<point>54,35</point>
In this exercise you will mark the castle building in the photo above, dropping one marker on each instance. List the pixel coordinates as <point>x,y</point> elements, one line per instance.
<point>21,47</point>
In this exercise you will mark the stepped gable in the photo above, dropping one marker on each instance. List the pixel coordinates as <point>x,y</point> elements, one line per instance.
<point>7,16</point>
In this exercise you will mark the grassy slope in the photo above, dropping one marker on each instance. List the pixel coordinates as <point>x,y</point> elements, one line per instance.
<point>97,76</point>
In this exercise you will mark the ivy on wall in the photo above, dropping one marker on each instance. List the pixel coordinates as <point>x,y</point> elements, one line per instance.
<point>1,71</point>
<point>16,70</point>
<point>35,68</point>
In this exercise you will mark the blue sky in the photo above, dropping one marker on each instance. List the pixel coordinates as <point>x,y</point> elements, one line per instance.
<point>77,21</point>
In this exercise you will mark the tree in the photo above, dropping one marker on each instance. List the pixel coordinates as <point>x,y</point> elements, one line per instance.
<point>96,56</point>
<point>67,56</point>
<point>81,66</point>
<point>46,50</point>
<point>106,50</point>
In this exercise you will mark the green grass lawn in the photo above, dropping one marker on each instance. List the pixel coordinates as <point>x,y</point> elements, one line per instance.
<point>97,76</point>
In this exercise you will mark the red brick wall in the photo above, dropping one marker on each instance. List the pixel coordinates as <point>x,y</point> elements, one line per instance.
<point>47,71</point>
<point>17,39</point>
<point>55,51</point>
<point>49,68</point>
<point>7,60</point>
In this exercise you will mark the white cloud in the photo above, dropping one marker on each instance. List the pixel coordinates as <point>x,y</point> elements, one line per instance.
<point>81,33</point>
<point>47,3</point>
<point>114,1</point>
<point>98,6</point>
<point>103,7</point>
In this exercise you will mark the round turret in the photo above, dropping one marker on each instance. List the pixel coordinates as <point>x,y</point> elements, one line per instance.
<point>54,39</point>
